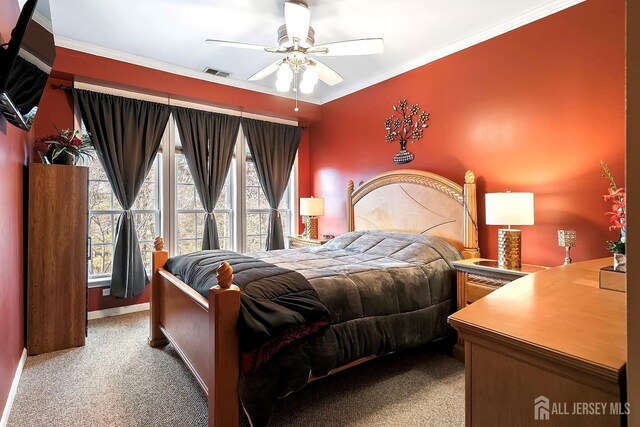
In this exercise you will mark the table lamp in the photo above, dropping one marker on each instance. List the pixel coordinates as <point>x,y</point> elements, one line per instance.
<point>310,209</point>
<point>509,209</point>
<point>567,239</point>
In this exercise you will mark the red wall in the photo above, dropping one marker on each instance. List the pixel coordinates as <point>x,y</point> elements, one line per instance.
<point>532,110</point>
<point>56,108</point>
<point>13,143</point>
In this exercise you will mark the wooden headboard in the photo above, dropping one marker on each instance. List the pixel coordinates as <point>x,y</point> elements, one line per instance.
<point>420,202</point>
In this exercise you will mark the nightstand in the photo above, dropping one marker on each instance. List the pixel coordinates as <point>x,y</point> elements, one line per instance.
<point>301,242</point>
<point>478,277</point>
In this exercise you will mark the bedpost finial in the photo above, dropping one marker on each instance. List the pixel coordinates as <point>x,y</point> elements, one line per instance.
<point>224,274</point>
<point>469,178</point>
<point>350,185</point>
<point>158,244</point>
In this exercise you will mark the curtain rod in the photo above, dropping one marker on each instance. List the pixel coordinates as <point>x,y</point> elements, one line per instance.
<point>169,99</point>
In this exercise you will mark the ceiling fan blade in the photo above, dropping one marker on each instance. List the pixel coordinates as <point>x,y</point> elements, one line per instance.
<point>326,74</point>
<point>266,71</point>
<point>349,47</point>
<point>297,18</point>
<point>226,43</point>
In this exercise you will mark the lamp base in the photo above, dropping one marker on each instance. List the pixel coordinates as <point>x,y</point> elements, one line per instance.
<point>509,248</point>
<point>311,227</point>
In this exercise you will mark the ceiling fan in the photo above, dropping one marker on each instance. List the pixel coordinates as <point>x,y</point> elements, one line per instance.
<point>296,40</point>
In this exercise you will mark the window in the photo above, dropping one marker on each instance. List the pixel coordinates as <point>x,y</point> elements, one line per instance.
<point>190,213</point>
<point>168,205</point>
<point>104,210</point>
<point>257,208</point>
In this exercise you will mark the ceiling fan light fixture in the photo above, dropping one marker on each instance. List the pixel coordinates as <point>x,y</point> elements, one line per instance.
<point>285,73</point>
<point>283,85</point>
<point>306,86</point>
<point>310,74</point>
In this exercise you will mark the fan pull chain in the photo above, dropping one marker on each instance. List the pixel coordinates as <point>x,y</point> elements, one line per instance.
<point>295,89</point>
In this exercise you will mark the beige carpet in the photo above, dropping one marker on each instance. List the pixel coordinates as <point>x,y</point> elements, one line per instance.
<point>117,380</point>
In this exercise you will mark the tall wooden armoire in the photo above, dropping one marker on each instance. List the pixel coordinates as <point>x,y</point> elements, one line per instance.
<point>56,257</point>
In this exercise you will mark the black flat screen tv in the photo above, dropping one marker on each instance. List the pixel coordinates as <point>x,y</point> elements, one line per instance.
<point>25,65</point>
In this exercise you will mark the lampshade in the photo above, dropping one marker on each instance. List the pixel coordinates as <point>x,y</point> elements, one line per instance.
<point>311,206</point>
<point>509,208</point>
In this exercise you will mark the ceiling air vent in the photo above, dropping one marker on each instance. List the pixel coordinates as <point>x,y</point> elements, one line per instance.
<point>216,73</point>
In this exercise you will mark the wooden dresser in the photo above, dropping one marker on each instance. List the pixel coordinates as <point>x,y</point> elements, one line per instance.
<point>56,257</point>
<point>550,345</point>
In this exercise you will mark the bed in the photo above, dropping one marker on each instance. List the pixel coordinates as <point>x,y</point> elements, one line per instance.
<point>204,330</point>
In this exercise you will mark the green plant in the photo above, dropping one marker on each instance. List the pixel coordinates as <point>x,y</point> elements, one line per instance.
<point>69,142</point>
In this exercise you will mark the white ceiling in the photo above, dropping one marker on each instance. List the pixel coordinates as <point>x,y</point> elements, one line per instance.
<point>170,34</point>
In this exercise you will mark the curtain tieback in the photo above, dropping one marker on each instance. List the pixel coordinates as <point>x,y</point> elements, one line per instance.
<point>127,212</point>
<point>276,211</point>
<point>210,215</point>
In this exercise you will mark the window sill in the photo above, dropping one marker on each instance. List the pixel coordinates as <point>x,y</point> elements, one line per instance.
<point>99,282</point>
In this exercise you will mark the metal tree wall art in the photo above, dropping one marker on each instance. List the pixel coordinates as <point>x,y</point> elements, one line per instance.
<point>406,124</point>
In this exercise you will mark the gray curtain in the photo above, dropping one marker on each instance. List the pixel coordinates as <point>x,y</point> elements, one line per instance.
<point>126,134</point>
<point>208,140</point>
<point>273,147</point>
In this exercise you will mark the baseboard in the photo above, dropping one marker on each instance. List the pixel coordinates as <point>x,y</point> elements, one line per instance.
<point>116,311</point>
<point>14,389</point>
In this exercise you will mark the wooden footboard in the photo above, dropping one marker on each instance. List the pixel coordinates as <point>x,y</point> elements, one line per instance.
<point>204,333</point>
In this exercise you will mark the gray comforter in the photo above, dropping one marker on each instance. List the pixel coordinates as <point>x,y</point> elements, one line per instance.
<point>385,292</point>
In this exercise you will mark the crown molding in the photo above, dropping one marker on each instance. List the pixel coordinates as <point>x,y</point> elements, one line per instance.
<point>43,21</point>
<point>169,68</point>
<point>494,31</point>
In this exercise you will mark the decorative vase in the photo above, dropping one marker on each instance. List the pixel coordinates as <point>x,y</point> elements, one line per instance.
<point>620,262</point>
<point>62,159</point>
<point>403,156</point>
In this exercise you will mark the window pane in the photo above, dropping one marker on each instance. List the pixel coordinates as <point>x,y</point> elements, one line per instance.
<point>224,201</point>
<point>225,243</point>
<point>183,175</point>
<point>253,224</point>
<point>95,169</point>
<point>286,198</point>
<point>253,198</point>
<point>285,216</point>
<point>146,197</point>
<point>101,257</point>
<point>186,226</point>
<point>186,197</point>
<point>100,196</point>
<point>187,246</point>
<point>252,175</point>
<point>264,222</point>
<point>254,244</point>
<point>151,175</point>
<point>145,226</point>
<point>101,228</point>
<point>146,249</point>
<point>199,225</point>
<point>224,224</point>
